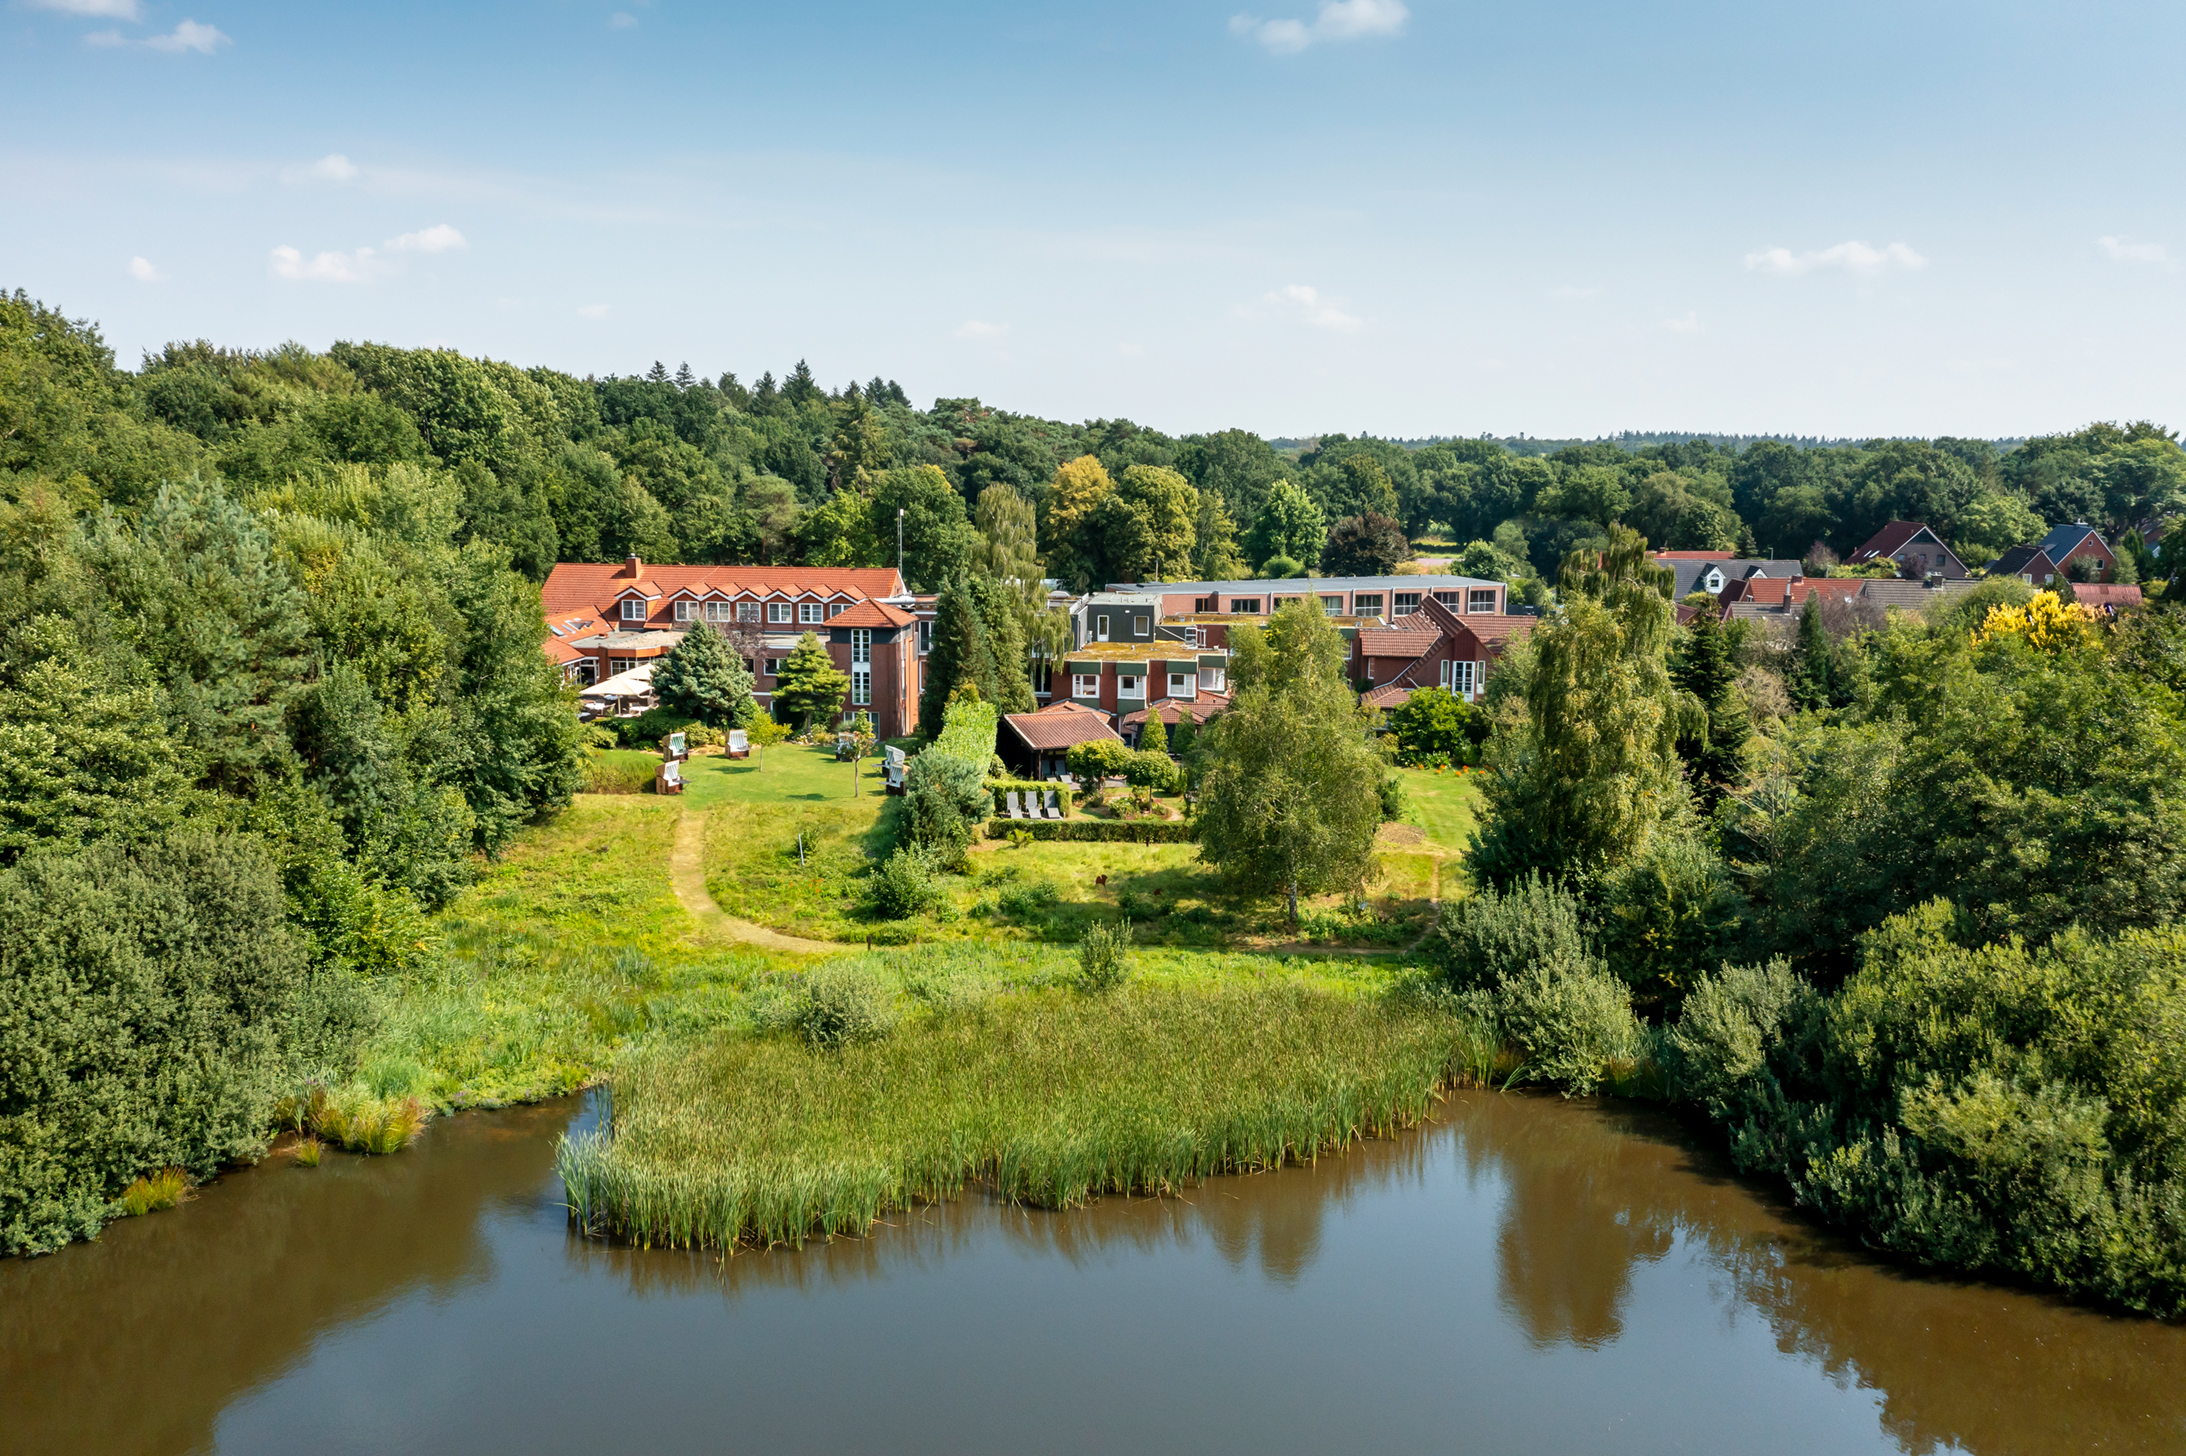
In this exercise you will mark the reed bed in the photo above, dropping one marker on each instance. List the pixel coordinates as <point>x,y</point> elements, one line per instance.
<point>1051,1097</point>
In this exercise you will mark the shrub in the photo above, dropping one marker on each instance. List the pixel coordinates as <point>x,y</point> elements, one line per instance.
<point>699,735</point>
<point>967,733</point>
<point>1001,788</point>
<point>907,883</point>
<point>649,727</point>
<point>1393,802</point>
<point>945,799</point>
<point>1667,917</point>
<point>153,1005</point>
<point>1151,770</point>
<point>1028,901</point>
<point>1104,960</point>
<point>155,1191</point>
<point>839,1004</point>
<point>1732,1022</point>
<point>1150,831</point>
<point>1522,958</point>
<point>1102,758</point>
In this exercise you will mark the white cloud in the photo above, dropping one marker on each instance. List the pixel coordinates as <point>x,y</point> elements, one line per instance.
<point>1572,292</point>
<point>1689,324</point>
<point>105,9</point>
<point>1338,20</point>
<point>189,36</point>
<point>2120,251</point>
<point>592,311</point>
<point>1318,310</point>
<point>333,167</point>
<point>358,267</point>
<point>142,270</point>
<point>621,20</point>
<point>1131,351</point>
<point>974,329</point>
<point>439,238</point>
<point>1851,257</point>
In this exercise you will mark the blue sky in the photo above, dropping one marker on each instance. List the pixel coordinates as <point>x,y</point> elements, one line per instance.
<point>1398,216</point>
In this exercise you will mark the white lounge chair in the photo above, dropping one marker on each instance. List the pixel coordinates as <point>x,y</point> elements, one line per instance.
<point>739,743</point>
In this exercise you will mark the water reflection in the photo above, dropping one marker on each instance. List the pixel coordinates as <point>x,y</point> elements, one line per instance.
<point>1561,1268</point>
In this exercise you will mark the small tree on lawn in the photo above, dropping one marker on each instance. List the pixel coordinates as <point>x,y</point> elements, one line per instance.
<point>809,685</point>
<point>1154,737</point>
<point>705,677</point>
<point>1090,763</point>
<point>1291,799</point>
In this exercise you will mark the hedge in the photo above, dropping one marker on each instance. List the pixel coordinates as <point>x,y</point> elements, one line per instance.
<point>1001,788</point>
<point>967,733</point>
<point>1149,831</point>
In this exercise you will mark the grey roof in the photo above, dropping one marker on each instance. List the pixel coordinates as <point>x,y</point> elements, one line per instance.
<point>1913,596</point>
<point>2062,541</point>
<point>1689,573</point>
<point>1308,584</point>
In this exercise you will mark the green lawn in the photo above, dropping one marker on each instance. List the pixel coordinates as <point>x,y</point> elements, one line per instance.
<point>784,774</point>
<point>1445,806</point>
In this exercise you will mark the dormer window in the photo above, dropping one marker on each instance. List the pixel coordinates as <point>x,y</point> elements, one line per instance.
<point>747,611</point>
<point>809,612</point>
<point>778,612</point>
<point>686,611</point>
<point>633,609</point>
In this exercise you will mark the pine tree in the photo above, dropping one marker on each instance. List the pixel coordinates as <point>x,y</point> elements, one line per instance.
<point>1809,677</point>
<point>960,654</point>
<point>706,677</point>
<point>1748,547</point>
<point>1180,742</point>
<point>1705,666</point>
<point>1153,738</point>
<point>809,685</point>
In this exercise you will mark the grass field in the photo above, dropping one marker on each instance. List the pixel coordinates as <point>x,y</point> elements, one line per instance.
<point>1445,806</point>
<point>1050,1096</point>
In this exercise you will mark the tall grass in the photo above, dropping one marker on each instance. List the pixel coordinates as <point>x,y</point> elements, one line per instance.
<point>1051,1096</point>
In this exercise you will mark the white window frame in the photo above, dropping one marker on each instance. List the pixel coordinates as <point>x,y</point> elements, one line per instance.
<point>778,612</point>
<point>925,635</point>
<point>773,666</point>
<point>718,611</point>
<point>1333,605</point>
<point>686,611</point>
<point>1141,626</point>
<point>1245,607</point>
<point>1462,678</point>
<point>1100,627</point>
<point>1085,685</point>
<point>1184,685</point>
<point>1199,636</point>
<point>1366,604</point>
<point>810,614</point>
<point>861,687</point>
<point>836,609</point>
<point>633,609</point>
<point>747,611</point>
<point>1480,599</point>
<point>1130,685</point>
<point>1214,678</point>
<point>1397,607</point>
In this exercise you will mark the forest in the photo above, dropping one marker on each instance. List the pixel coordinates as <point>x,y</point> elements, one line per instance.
<point>272,695</point>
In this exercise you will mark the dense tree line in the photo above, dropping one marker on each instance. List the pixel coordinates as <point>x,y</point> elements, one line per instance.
<point>1894,899</point>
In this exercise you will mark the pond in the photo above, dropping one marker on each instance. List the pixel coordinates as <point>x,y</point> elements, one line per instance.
<point>1523,1275</point>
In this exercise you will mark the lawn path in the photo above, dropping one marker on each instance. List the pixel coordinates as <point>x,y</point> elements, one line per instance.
<point>687,877</point>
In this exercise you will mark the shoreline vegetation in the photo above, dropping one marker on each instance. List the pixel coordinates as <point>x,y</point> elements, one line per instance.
<point>1044,1094</point>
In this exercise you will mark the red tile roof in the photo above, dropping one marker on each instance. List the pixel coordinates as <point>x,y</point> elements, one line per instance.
<point>1389,696</point>
<point>591,586</point>
<point>1060,725</point>
<point>1199,709</point>
<point>1396,642</point>
<point>871,614</point>
<point>2105,594</point>
<point>1494,632</point>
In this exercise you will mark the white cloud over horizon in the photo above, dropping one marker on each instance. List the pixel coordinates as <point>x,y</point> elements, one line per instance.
<point>330,267</point>
<point>190,36</point>
<point>333,167</point>
<point>1850,257</point>
<point>1316,308</point>
<point>1687,323</point>
<point>976,329</point>
<point>592,310</point>
<point>439,238</point>
<point>143,270</point>
<point>2118,250</point>
<point>1338,20</point>
<point>103,9</point>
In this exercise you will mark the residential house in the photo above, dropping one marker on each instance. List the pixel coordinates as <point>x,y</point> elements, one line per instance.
<point>1434,647</point>
<point>1917,551</point>
<point>608,618</point>
<point>2079,542</point>
<point>2107,597</point>
<point>1036,744</point>
<point>2031,564</point>
<point>1386,597</point>
<point>1693,571</point>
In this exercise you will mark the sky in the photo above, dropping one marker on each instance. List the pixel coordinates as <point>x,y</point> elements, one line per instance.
<point>1402,217</point>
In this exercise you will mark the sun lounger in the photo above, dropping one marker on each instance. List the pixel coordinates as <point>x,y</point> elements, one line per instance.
<point>1054,805</point>
<point>739,743</point>
<point>1015,812</point>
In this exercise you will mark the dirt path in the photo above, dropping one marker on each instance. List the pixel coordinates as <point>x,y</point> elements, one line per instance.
<point>687,877</point>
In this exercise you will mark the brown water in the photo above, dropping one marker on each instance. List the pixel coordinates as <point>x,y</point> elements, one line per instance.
<point>1525,1276</point>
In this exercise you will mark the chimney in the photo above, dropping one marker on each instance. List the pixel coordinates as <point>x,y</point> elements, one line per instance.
<point>634,568</point>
